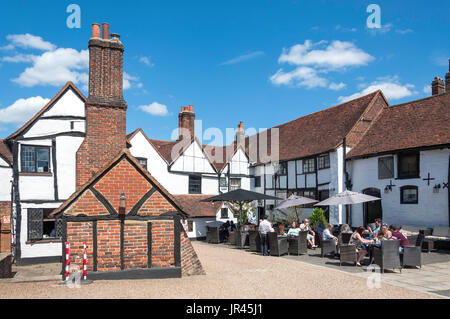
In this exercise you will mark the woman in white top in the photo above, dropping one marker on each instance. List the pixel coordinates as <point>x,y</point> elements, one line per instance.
<point>326,235</point>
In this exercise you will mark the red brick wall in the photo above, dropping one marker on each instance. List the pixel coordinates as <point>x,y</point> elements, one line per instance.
<point>135,244</point>
<point>5,239</point>
<point>87,204</point>
<point>162,243</point>
<point>108,245</point>
<point>125,177</point>
<point>77,234</point>
<point>105,138</point>
<point>155,206</point>
<point>190,264</point>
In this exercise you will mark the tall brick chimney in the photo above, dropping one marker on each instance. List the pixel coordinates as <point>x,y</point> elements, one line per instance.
<point>447,79</point>
<point>240,135</point>
<point>105,107</point>
<point>437,86</point>
<point>186,120</point>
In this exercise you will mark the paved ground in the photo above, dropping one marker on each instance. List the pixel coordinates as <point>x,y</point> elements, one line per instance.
<point>230,273</point>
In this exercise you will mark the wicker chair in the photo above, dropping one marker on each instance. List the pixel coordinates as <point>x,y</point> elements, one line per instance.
<point>254,241</point>
<point>388,256</point>
<point>241,239</point>
<point>344,238</point>
<point>327,247</point>
<point>412,255</point>
<point>347,253</point>
<point>298,245</point>
<point>212,235</point>
<point>278,245</point>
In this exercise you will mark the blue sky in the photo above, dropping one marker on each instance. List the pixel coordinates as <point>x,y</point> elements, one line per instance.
<point>260,62</point>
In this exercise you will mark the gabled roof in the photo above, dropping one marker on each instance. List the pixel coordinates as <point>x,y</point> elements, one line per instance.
<point>315,133</point>
<point>193,206</point>
<point>420,123</point>
<point>68,85</point>
<point>164,148</point>
<point>5,153</point>
<point>125,153</point>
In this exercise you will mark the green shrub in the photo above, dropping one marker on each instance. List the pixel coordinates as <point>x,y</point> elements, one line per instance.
<point>316,216</point>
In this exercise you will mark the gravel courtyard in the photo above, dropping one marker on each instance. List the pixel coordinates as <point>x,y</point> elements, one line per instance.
<point>230,273</point>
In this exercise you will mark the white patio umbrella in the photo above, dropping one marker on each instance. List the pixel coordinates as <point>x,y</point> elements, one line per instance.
<point>294,201</point>
<point>347,198</point>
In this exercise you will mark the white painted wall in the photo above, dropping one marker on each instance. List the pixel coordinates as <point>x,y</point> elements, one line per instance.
<point>5,181</point>
<point>432,208</point>
<point>36,249</point>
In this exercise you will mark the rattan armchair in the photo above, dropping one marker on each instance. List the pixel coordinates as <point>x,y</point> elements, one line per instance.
<point>388,256</point>
<point>327,247</point>
<point>254,241</point>
<point>412,255</point>
<point>278,245</point>
<point>298,245</point>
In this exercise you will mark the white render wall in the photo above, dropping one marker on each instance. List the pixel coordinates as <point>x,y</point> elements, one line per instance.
<point>5,181</point>
<point>432,208</point>
<point>36,249</point>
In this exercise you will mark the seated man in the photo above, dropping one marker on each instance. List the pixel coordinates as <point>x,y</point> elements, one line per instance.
<point>376,229</point>
<point>397,234</point>
<point>310,237</point>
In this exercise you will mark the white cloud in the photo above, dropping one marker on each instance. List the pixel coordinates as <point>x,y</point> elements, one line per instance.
<point>155,109</point>
<point>390,86</point>
<point>312,59</point>
<point>337,86</point>
<point>146,61</point>
<point>337,55</point>
<point>29,41</point>
<point>339,27</point>
<point>19,58</point>
<point>22,109</point>
<point>242,58</point>
<point>301,76</point>
<point>56,68</point>
<point>129,80</point>
<point>427,89</point>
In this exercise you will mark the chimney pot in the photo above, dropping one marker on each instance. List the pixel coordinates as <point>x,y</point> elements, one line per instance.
<point>95,30</point>
<point>105,31</point>
<point>437,86</point>
<point>191,108</point>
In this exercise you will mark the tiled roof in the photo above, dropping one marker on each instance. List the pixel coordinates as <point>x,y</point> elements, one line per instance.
<point>192,205</point>
<point>5,153</point>
<point>419,123</point>
<point>48,106</point>
<point>317,132</point>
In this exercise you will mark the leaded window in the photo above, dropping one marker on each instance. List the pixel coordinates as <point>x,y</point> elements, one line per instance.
<point>408,165</point>
<point>195,184</point>
<point>142,161</point>
<point>223,182</point>
<point>309,165</point>
<point>35,159</point>
<point>43,226</point>
<point>324,161</point>
<point>235,183</point>
<point>257,181</point>
<point>386,167</point>
<point>224,213</point>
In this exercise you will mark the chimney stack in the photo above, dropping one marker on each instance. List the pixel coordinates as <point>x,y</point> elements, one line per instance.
<point>105,107</point>
<point>240,135</point>
<point>447,79</point>
<point>186,120</point>
<point>437,86</point>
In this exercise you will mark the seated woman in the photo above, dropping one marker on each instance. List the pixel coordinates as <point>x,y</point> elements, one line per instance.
<point>294,230</point>
<point>383,233</point>
<point>326,235</point>
<point>360,242</point>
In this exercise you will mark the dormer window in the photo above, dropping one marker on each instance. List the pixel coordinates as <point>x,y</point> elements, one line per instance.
<point>35,159</point>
